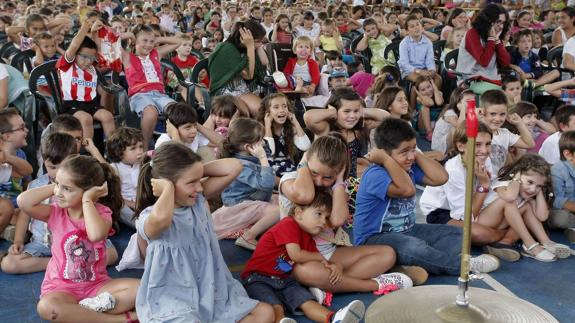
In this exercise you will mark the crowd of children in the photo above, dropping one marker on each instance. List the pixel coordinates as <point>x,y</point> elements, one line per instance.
<point>317,174</point>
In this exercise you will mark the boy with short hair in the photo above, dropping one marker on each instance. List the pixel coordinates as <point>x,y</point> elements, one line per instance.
<point>565,119</point>
<point>511,85</point>
<point>45,48</point>
<point>13,166</point>
<point>525,62</point>
<point>494,112</point>
<point>268,277</point>
<point>416,53</point>
<point>562,215</point>
<point>385,205</point>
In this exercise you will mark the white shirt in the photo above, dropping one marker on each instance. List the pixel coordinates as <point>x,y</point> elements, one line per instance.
<point>129,179</point>
<point>550,148</point>
<point>500,144</point>
<point>3,72</point>
<point>451,195</point>
<point>313,33</point>
<point>198,142</point>
<point>302,71</point>
<point>441,131</point>
<point>149,70</point>
<point>5,173</point>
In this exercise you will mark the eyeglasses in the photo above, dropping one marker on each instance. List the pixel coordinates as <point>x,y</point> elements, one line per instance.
<point>21,128</point>
<point>87,57</point>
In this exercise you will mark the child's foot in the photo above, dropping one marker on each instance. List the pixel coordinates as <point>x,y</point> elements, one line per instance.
<point>560,250</point>
<point>322,297</point>
<point>249,244</point>
<point>391,282</point>
<point>502,251</point>
<point>537,252</point>
<point>299,85</point>
<point>101,303</point>
<point>352,313</point>
<point>484,264</point>
<point>417,274</point>
<point>9,232</point>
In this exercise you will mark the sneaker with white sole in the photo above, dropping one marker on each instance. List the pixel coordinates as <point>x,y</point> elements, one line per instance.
<point>287,320</point>
<point>352,313</point>
<point>101,303</point>
<point>417,274</point>
<point>322,297</point>
<point>8,233</point>
<point>392,282</point>
<point>484,264</point>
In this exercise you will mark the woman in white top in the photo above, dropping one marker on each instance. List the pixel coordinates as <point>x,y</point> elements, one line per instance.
<point>566,27</point>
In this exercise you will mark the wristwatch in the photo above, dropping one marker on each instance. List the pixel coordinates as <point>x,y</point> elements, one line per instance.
<point>481,189</point>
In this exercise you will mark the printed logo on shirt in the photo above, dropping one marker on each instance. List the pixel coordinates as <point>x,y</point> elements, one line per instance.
<point>81,82</point>
<point>283,264</point>
<point>400,215</point>
<point>81,257</point>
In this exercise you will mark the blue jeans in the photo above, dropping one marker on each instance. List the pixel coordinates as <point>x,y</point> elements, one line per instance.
<point>435,247</point>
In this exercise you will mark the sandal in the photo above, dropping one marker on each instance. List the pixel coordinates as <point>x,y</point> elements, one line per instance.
<point>244,243</point>
<point>560,250</point>
<point>544,256</point>
<point>130,319</point>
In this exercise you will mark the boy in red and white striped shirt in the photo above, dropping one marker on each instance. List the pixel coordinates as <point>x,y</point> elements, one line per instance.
<point>79,82</point>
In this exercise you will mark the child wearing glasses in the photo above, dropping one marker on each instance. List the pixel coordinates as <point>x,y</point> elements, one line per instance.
<point>13,167</point>
<point>79,82</point>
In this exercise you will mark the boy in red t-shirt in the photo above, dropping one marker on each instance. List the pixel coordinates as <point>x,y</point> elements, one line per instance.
<point>185,61</point>
<point>268,277</point>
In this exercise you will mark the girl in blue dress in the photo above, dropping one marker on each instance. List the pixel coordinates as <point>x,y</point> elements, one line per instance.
<point>185,277</point>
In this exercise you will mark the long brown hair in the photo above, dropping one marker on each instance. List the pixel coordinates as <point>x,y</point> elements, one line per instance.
<point>87,172</point>
<point>242,131</point>
<point>386,98</point>
<point>287,128</point>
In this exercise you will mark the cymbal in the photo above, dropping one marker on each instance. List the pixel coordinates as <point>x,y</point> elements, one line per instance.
<point>436,303</point>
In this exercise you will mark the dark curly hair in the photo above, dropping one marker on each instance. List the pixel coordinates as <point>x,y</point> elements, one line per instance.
<point>120,140</point>
<point>532,163</point>
<point>487,17</point>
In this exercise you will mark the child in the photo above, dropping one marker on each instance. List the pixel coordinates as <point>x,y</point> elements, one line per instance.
<point>525,62</point>
<point>125,151</point>
<point>185,61</point>
<point>445,204</point>
<point>79,81</point>
<point>248,199</point>
<point>174,221</point>
<point>182,125</point>
<point>520,200</point>
<point>565,119</point>
<point>385,205</point>
<point>346,114</point>
<point>388,76</point>
<point>70,125</point>
<point>376,41</point>
<point>494,113</point>
<point>453,41</point>
<point>87,198</point>
<point>24,36</point>
<point>561,215</point>
<point>284,136</point>
<point>144,75</point>
<point>309,27</point>
<point>540,129</point>
<point>416,53</point>
<point>281,33</point>
<point>13,166</point>
<point>303,68</point>
<point>393,100</point>
<point>268,274</point>
<point>334,60</point>
<point>329,39</point>
<point>429,101</point>
<point>511,85</point>
<point>451,116</point>
<point>34,255</point>
<point>45,48</point>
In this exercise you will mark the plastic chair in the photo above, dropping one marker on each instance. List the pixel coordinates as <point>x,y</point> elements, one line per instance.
<point>7,51</point>
<point>23,61</point>
<point>365,55</point>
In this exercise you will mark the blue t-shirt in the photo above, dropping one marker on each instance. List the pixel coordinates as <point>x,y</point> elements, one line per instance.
<point>375,212</point>
<point>13,187</point>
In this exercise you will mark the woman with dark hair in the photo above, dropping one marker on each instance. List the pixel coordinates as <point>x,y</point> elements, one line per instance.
<point>483,49</point>
<point>237,65</point>
<point>566,27</point>
<point>456,19</point>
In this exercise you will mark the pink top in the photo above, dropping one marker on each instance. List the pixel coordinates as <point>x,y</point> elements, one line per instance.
<point>76,261</point>
<point>361,82</point>
<point>144,74</point>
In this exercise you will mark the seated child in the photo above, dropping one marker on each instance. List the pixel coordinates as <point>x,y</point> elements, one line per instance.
<point>511,85</point>
<point>268,277</point>
<point>182,125</point>
<point>385,205</point>
<point>376,41</point>
<point>562,215</point>
<point>525,62</point>
<point>330,38</point>
<point>13,167</point>
<point>125,151</point>
<point>428,105</point>
<point>45,48</point>
<point>79,81</point>
<point>453,41</point>
<point>24,36</point>
<point>540,129</point>
<point>185,61</point>
<point>33,256</point>
<point>451,116</point>
<point>333,59</point>
<point>565,119</point>
<point>388,76</point>
<point>303,68</point>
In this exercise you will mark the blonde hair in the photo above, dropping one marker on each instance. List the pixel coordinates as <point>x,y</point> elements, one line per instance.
<point>303,39</point>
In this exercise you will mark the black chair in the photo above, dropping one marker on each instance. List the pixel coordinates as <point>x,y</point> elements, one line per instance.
<point>7,51</point>
<point>23,61</point>
<point>448,73</point>
<point>365,55</point>
<point>201,65</point>
<point>278,55</point>
<point>438,47</point>
<point>392,48</point>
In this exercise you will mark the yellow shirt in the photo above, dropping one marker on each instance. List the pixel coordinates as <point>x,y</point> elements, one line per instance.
<point>328,43</point>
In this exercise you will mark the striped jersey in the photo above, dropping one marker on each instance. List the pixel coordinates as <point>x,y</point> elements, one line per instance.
<point>77,84</point>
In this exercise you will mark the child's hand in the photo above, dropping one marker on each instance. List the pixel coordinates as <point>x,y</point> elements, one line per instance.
<point>96,192</point>
<point>3,157</point>
<point>292,119</point>
<point>336,272</point>
<point>268,119</point>
<point>451,120</point>
<point>257,150</point>
<point>332,108</point>
<point>246,37</point>
<point>161,185</point>
<point>482,174</point>
<point>517,177</point>
<point>97,26</point>
<point>514,119</point>
<point>89,145</point>
<point>377,156</point>
<point>87,25</point>
<point>172,131</point>
<point>340,175</point>
<point>16,248</point>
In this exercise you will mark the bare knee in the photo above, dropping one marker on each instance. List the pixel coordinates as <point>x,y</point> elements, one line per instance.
<point>263,313</point>
<point>49,309</point>
<point>387,255</point>
<point>308,274</point>
<point>150,113</point>
<point>10,264</point>
<point>6,210</point>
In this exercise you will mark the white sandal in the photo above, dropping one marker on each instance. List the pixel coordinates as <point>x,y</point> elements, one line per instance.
<point>544,256</point>
<point>560,250</point>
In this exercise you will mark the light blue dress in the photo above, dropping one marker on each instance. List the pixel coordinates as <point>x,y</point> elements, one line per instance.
<point>185,277</point>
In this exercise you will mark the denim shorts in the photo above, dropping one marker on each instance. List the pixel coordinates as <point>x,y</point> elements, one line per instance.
<point>277,291</point>
<point>157,99</point>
